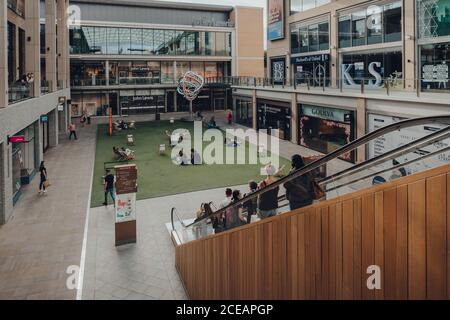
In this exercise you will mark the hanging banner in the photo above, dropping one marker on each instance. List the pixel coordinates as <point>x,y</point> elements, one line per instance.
<point>275,20</point>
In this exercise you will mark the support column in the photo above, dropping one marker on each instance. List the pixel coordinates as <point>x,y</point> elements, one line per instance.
<point>61,40</point>
<point>33,44</point>
<point>50,43</point>
<point>6,195</point>
<point>2,184</point>
<point>175,101</point>
<point>361,128</point>
<point>334,56</point>
<point>3,55</point>
<point>410,54</point>
<point>294,119</point>
<point>107,72</point>
<point>53,128</point>
<point>255,111</point>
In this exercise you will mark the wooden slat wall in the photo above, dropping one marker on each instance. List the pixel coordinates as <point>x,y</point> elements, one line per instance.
<point>323,251</point>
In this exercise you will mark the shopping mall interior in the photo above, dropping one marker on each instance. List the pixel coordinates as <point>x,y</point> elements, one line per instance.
<point>275,150</point>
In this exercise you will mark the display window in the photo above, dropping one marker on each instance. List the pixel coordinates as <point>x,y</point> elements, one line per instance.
<point>372,69</point>
<point>244,112</point>
<point>276,118</point>
<point>435,63</point>
<point>326,129</point>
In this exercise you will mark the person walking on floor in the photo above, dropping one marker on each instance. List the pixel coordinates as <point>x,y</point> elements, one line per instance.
<point>299,191</point>
<point>73,131</point>
<point>43,181</point>
<point>109,187</point>
<point>230,118</point>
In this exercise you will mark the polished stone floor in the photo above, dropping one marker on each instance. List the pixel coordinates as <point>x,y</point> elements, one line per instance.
<point>45,234</point>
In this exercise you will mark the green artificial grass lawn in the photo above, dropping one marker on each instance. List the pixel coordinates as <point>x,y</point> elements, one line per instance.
<point>157,175</point>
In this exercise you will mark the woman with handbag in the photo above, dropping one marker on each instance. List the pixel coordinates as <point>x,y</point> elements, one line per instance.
<point>300,191</point>
<point>43,182</point>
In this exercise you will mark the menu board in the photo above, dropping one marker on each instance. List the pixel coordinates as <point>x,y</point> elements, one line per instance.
<point>125,207</point>
<point>126,179</point>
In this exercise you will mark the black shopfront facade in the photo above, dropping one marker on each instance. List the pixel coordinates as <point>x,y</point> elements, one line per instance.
<point>312,69</point>
<point>326,129</point>
<point>275,115</point>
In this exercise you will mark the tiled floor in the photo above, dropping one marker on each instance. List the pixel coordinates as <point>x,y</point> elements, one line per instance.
<point>45,233</point>
<point>145,270</point>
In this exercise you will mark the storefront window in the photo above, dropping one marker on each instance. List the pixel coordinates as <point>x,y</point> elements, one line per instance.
<point>344,31</point>
<point>392,22</point>
<point>304,5</point>
<point>359,28</point>
<point>147,42</point>
<point>326,129</point>
<point>372,25</point>
<point>182,68</point>
<point>244,112</point>
<point>88,73</point>
<point>373,69</point>
<point>198,67</point>
<point>100,40</point>
<point>124,41</point>
<point>170,40</point>
<point>221,47</point>
<point>310,38</point>
<point>211,69</point>
<point>181,43</point>
<point>133,41</point>
<point>313,70</point>
<point>313,33</point>
<point>435,62</point>
<point>167,72</point>
<point>275,117</point>
<point>113,41</point>
<point>136,41</point>
<point>433,18</point>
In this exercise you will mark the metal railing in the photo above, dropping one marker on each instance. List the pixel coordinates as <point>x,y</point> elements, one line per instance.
<point>431,139</point>
<point>385,86</point>
<point>46,87</point>
<point>18,92</point>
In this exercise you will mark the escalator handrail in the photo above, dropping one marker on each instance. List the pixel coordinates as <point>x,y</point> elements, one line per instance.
<point>414,145</point>
<point>329,157</point>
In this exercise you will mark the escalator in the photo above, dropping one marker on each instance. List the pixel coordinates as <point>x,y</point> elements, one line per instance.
<point>421,151</point>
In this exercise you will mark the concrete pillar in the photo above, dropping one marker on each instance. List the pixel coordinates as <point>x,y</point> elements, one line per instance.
<point>6,196</point>
<point>361,127</point>
<point>255,110</point>
<point>294,119</point>
<point>62,43</point>
<point>334,56</point>
<point>175,101</point>
<point>3,54</point>
<point>33,44</point>
<point>39,141</point>
<point>53,128</point>
<point>410,41</point>
<point>50,44</point>
<point>107,72</point>
<point>2,184</point>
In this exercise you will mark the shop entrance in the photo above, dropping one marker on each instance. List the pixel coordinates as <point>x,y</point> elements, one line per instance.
<point>326,129</point>
<point>275,117</point>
